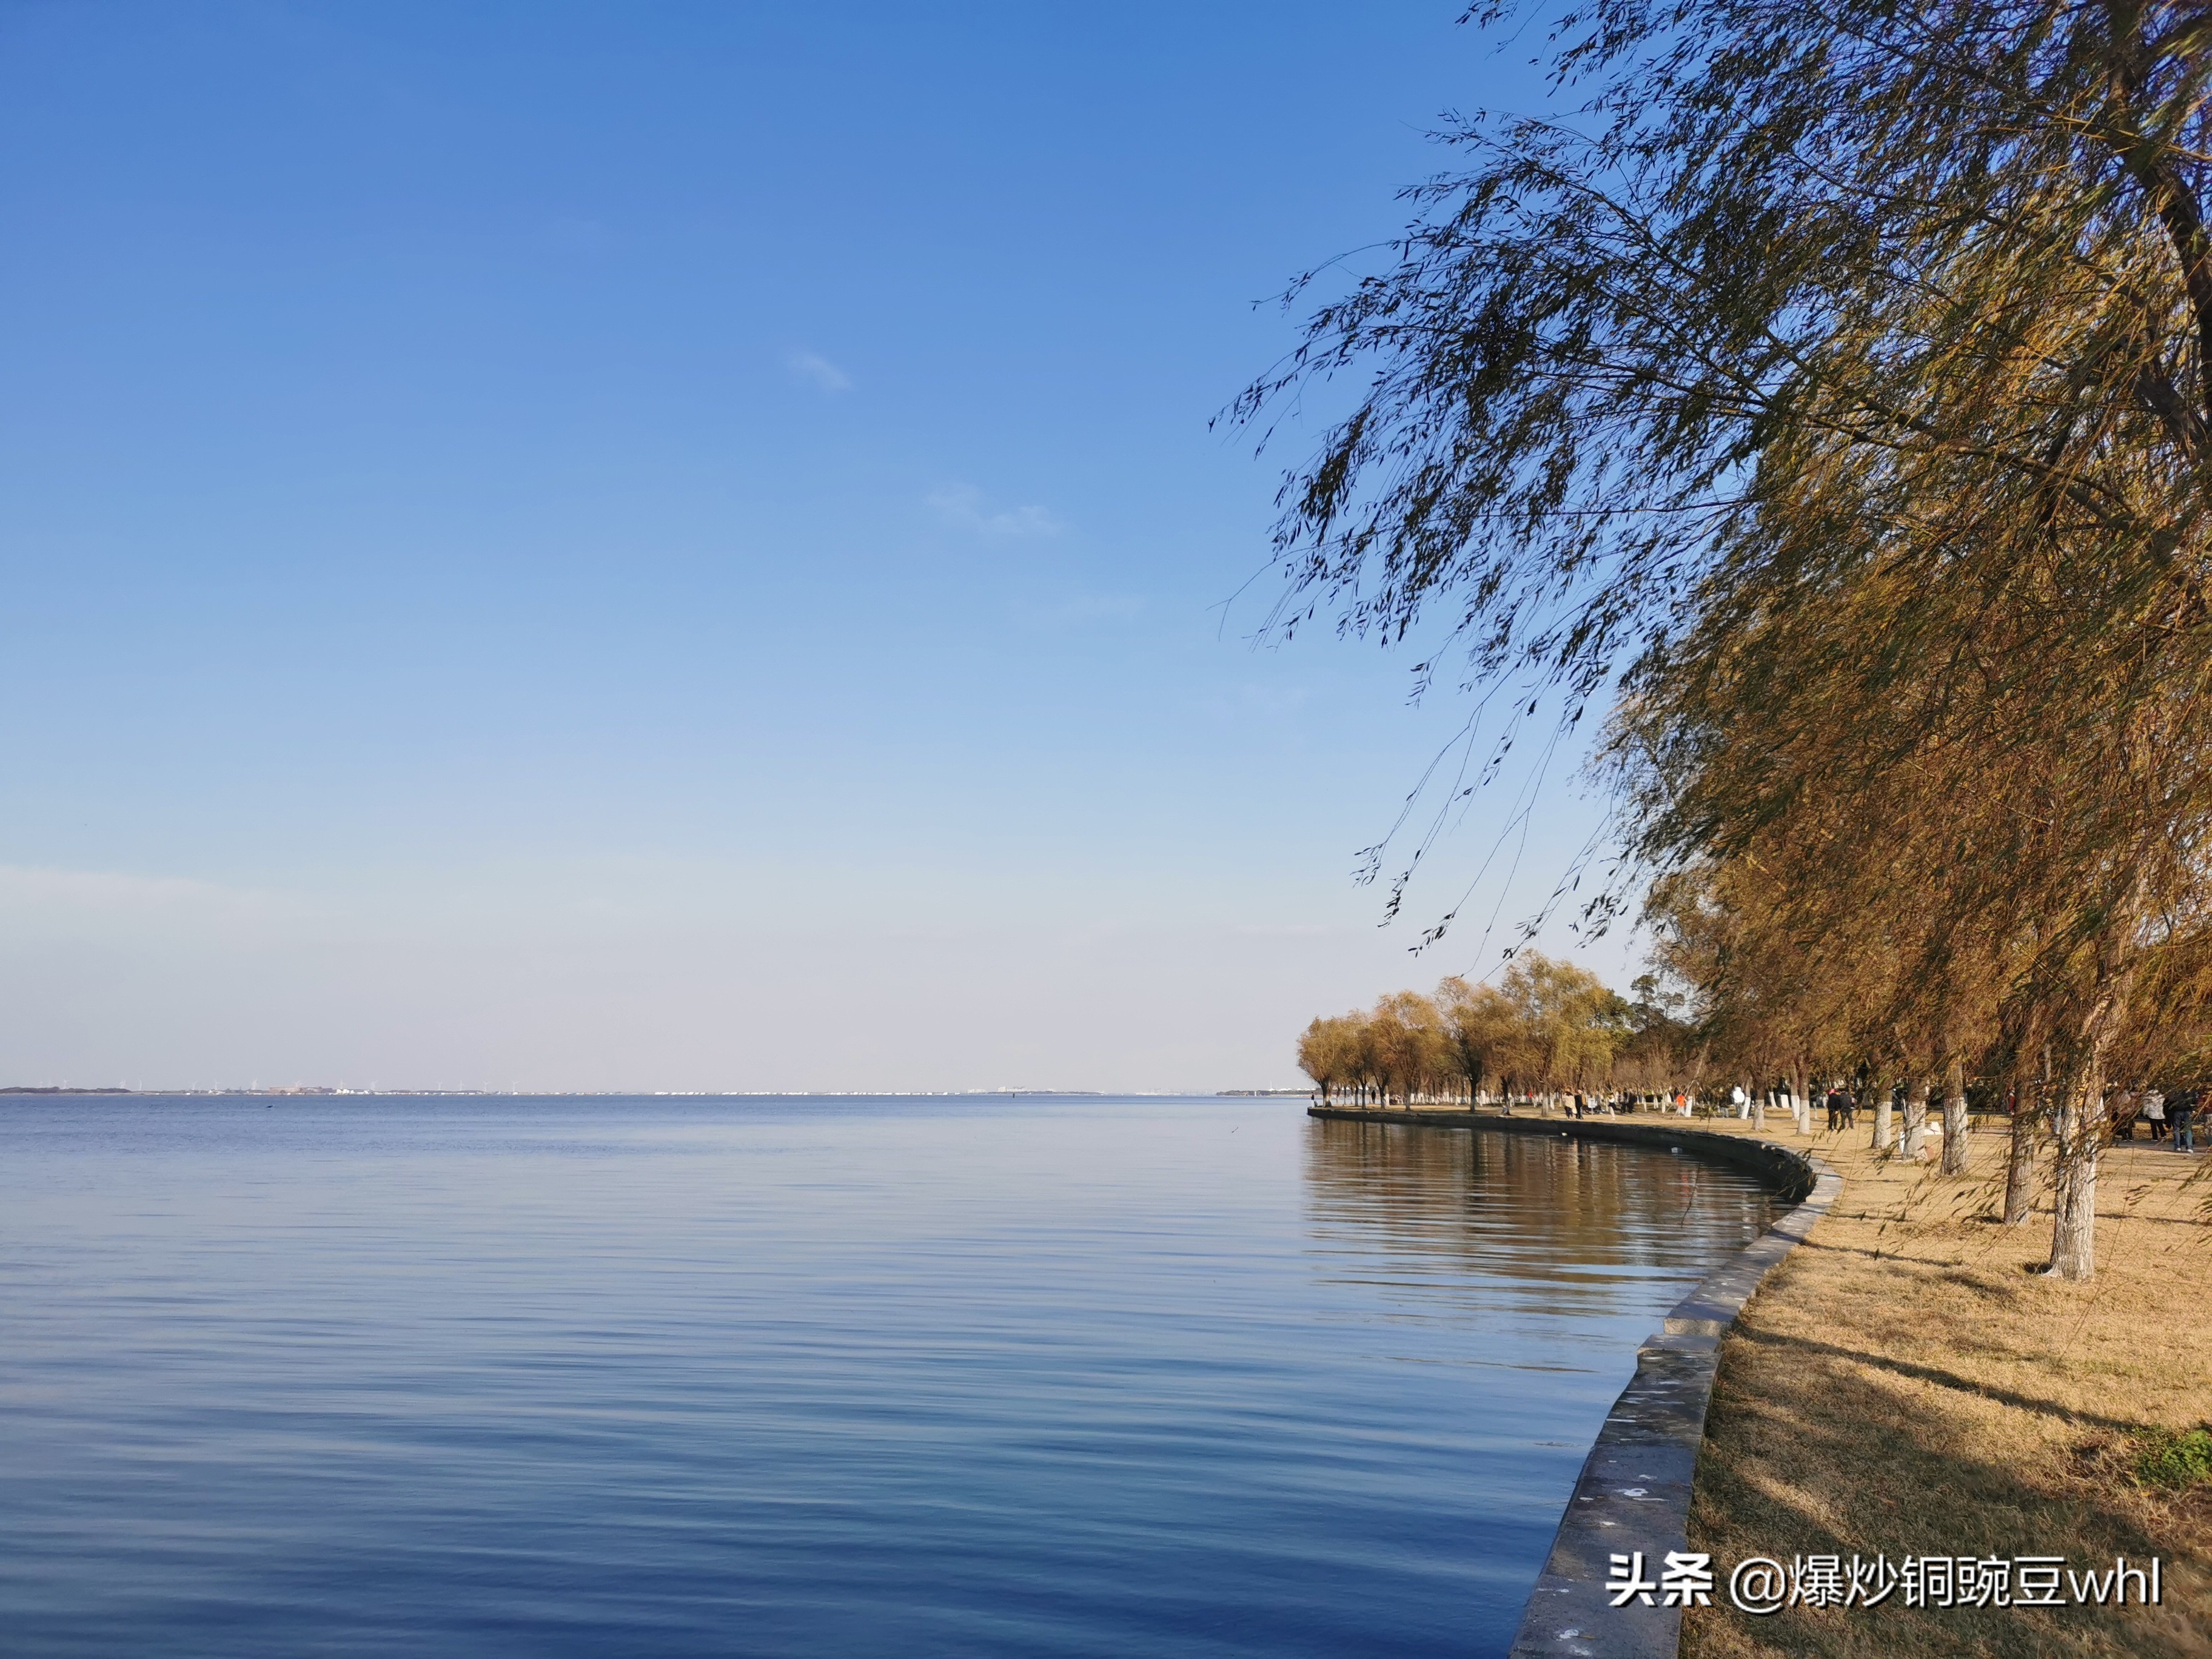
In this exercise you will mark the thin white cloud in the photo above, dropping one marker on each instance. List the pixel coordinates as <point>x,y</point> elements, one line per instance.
<point>811,369</point>
<point>963,507</point>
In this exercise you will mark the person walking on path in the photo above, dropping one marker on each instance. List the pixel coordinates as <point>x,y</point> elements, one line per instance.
<point>1842,1107</point>
<point>2181,1112</point>
<point>2154,1112</point>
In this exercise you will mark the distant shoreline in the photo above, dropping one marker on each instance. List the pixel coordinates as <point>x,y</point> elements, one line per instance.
<point>49,1090</point>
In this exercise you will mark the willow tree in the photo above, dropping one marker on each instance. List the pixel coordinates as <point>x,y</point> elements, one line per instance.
<point>1807,297</point>
<point>1836,940</point>
<point>1956,251</point>
<point>1548,1025</point>
<point>1567,1020</point>
<point>1412,1050</point>
<point>1329,1053</point>
<point>2000,841</point>
<point>1483,1033</point>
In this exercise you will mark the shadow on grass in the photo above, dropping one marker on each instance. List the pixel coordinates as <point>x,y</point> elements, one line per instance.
<point>1874,1254</point>
<point>2027,1402</point>
<point>1806,1453</point>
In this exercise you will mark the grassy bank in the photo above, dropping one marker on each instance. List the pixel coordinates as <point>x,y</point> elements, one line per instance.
<point>1903,1385</point>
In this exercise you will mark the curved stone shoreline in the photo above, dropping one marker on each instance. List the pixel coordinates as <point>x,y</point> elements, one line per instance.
<point>1633,1493</point>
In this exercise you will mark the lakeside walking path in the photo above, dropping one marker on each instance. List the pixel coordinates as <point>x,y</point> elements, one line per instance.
<point>1902,1385</point>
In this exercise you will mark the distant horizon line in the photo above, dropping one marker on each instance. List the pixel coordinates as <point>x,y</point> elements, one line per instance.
<point>53,1091</point>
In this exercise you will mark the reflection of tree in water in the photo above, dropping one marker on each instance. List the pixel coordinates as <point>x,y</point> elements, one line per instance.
<point>1558,1218</point>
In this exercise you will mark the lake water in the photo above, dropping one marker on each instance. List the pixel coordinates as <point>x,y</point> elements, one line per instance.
<point>434,1376</point>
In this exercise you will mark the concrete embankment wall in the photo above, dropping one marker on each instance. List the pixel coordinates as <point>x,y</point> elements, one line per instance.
<point>1633,1493</point>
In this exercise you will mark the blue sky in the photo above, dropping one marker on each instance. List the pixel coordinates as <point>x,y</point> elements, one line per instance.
<point>679,545</point>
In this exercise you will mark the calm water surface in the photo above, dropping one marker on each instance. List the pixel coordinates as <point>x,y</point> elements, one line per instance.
<point>882,1377</point>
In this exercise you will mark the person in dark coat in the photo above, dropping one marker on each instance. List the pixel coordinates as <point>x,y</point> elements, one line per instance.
<point>1841,1107</point>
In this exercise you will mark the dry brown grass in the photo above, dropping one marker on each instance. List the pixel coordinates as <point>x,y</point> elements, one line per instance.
<point>1904,1385</point>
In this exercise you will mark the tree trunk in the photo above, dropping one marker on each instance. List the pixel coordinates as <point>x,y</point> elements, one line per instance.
<point>2082,1131</point>
<point>1758,1110</point>
<point>2073,1230</point>
<point>1955,1118</point>
<point>2020,1163</point>
<point>1916,1119</point>
<point>1800,1103</point>
<point>1884,1117</point>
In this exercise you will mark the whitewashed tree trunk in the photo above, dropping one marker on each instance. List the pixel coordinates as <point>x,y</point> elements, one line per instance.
<point>2074,1229</point>
<point>1916,1119</point>
<point>1884,1128</point>
<point>2020,1163</point>
<point>1955,1118</point>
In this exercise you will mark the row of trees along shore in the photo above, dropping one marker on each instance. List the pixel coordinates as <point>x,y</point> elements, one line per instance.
<point>1547,1028</point>
<point>1827,402</point>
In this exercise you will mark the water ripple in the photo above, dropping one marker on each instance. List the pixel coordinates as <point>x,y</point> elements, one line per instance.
<point>654,1378</point>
